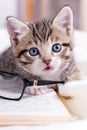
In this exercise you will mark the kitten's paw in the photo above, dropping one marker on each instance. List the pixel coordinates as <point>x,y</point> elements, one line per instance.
<point>37,90</point>
<point>73,88</point>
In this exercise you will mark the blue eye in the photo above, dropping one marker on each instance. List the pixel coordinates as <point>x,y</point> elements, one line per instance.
<point>56,47</point>
<point>33,51</point>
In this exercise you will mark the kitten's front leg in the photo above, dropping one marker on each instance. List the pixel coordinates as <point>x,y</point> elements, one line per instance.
<point>37,90</point>
<point>77,104</point>
<point>73,88</point>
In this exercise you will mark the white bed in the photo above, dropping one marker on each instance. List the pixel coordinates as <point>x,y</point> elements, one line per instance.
<point>80,54</point>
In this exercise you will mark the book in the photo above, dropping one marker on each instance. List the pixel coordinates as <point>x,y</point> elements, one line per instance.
<point>34,110</point>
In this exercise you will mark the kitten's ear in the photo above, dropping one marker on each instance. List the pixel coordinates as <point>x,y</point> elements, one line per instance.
<point>64,20</point>
<point>16,28</point>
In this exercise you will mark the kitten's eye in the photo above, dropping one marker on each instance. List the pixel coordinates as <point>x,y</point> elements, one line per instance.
<point>33,51</point>
<point>56,47</point>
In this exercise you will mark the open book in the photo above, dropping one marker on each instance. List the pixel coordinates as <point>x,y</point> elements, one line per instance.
<point>39,109</point>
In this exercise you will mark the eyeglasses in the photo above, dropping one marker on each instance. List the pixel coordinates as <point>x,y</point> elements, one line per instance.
<point>12,86</point>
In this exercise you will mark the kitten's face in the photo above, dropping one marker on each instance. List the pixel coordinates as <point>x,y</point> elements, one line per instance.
<point>42,47</point>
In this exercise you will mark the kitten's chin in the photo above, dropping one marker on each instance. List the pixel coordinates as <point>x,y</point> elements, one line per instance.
<point>50,74</point>
<point>46,71</point>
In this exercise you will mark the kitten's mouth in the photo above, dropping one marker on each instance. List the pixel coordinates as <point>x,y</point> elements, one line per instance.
<point>48,68</point>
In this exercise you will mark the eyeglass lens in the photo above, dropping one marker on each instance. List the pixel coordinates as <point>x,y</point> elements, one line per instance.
<point>10,86</point>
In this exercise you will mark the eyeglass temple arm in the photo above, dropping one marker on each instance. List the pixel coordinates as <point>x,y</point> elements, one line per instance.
<point>42,82</point>
<point>48,82</point>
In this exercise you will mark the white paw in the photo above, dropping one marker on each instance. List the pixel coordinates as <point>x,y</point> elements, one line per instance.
<point>37,90</point>
<point>74,88</point>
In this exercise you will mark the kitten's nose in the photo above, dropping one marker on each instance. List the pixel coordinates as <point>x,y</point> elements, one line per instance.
<point>47,62</point>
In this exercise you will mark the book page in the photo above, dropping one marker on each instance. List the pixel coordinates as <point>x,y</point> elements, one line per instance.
<point>39,109</point>
<point>48,103</point>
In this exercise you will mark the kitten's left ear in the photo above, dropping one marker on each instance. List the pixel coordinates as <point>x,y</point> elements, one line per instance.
<point>64,20</point>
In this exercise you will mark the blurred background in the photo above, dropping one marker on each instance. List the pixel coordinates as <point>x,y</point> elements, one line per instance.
<point>29,10</point>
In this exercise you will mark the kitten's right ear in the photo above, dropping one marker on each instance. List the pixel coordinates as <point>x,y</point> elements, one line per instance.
<point>16,28</point>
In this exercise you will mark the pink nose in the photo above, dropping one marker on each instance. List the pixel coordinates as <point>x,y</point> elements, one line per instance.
<point>47,62</point>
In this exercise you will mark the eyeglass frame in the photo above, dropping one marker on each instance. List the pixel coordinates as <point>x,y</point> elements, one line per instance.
<point>28,83</point>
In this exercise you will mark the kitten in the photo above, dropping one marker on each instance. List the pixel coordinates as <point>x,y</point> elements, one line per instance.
<point>42,49</point>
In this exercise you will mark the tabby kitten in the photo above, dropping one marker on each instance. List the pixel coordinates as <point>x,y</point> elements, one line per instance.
<point>42,49</point>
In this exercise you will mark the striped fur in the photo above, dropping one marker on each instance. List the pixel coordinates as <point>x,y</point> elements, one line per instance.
<point>42,35</point>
